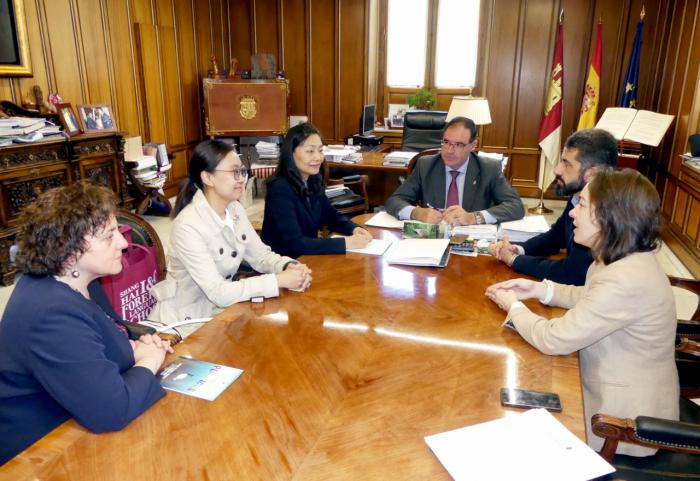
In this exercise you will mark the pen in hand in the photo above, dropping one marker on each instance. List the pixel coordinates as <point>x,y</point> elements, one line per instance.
<point>434,208</point>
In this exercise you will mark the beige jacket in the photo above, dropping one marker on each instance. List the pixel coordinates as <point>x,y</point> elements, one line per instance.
<point>204,255</point>
<point>623,322</point>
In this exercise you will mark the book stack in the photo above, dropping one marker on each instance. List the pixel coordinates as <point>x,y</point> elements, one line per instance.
<point>343,155</point>
<point>487,232</point>
<point>336,191</point>
<point>25,129</point>
<point>523,229</point>
<point>149,163</point>
<point>398,158</point>
<point>267,151</point>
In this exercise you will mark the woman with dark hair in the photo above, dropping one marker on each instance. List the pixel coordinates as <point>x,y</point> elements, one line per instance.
<point>63,350</point>
<point>296,206</point>
<point>623,320</point>
<point>211,236</point>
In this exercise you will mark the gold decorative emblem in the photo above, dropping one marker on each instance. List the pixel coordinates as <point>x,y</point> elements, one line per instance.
<point>248,107</point>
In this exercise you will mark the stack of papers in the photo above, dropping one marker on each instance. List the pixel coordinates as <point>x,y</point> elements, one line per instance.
<point>25,129</point>
<point>399,158</point>
<point>481,231</point>
<point>336,191</point>
<point>691,161</point>
<point>384,220</point>
<point>420,252</point>
<point>528,446</point>
<point>524,229</point>
<point>341,155</point>
<point>267,150</point>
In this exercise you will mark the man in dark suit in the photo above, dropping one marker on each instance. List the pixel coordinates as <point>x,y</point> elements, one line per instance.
<point>456,186</point>
<point>585,152</point>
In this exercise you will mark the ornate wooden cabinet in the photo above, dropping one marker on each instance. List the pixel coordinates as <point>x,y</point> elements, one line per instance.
<point>26,170</point>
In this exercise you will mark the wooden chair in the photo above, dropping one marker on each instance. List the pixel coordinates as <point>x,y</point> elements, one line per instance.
<point>678,443</point>
<point>143,233</point>
<point>354,202</point>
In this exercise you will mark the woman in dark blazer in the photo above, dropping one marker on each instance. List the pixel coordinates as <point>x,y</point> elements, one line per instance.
<point>63,351</point>
<point>296,206</point>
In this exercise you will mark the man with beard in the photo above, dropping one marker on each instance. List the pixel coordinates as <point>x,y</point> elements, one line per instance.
<point>585,152</point>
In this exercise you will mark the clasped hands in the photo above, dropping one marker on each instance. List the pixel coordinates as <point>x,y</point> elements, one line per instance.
<point>296,276</point>
<point>149,351</point>
<point>453,215</point>
<point>505,293</point>
<point>360,238</point>
<point>504,251</point>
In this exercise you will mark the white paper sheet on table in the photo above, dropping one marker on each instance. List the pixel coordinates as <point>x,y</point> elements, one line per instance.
<point>383,219</point>
<point>375,248</point>
<point>528,446</point>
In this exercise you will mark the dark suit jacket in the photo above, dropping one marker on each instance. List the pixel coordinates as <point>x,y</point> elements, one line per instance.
<point>63,357</point>
<point>291,222</point>
<point>570,270</point>
<point>485,188</point>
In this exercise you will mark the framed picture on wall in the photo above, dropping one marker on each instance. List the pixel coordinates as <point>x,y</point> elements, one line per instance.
<point>68,119</point>
<point>96,118</point>
<point>14,43</point>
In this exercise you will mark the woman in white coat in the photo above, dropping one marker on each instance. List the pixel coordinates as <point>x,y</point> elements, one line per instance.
<point>623,320</point>
<point>211,236</point>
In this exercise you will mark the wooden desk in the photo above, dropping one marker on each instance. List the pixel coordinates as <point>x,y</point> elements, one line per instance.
<point>341,382</point>
<point>383,179</point>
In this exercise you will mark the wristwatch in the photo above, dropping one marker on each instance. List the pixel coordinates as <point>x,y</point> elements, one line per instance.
<point>479,217</point>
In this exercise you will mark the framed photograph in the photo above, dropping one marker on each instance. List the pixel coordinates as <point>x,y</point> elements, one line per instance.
<point>96,118</point>
<point>68,119</point>
<point>396,113</point>
<point>14,44</point>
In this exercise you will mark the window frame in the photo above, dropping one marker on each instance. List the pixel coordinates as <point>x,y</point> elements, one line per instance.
<point>443,96</point>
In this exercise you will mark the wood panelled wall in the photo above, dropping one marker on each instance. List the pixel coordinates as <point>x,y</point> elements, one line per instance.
<point>146,58</point>
<point>677,92</point>
<point>322,47</point>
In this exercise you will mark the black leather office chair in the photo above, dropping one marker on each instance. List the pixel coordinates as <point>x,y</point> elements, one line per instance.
<point>422,129</point>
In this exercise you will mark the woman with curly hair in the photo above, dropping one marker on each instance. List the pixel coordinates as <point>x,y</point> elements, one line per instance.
<point>63,351</point>
<point>623,319</point>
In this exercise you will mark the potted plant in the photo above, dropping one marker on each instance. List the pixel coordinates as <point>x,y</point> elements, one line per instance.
<point>421,100</point>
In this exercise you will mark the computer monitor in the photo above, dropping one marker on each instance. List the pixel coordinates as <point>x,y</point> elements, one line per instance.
<point>367,119</point>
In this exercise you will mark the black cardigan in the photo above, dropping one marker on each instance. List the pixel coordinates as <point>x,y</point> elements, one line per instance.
<point>292,221</point>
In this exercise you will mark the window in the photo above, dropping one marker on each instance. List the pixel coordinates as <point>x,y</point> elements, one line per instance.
<point>432,43</point>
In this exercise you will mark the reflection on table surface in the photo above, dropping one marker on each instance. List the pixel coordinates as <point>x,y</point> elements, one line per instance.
<point>341,382</point>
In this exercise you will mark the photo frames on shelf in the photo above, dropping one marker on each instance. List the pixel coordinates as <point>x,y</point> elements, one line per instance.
<point>68,118</point>
<point>96,118</point>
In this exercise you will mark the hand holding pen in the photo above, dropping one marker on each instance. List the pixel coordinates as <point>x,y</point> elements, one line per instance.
<point>427,214</point>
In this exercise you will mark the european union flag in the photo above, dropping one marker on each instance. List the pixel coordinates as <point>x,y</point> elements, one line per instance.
<point>628,95</point>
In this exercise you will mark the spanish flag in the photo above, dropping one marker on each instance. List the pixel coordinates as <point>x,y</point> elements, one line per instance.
<point>591,95</point>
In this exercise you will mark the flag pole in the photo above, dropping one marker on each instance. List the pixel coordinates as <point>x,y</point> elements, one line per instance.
<point>540,208</point>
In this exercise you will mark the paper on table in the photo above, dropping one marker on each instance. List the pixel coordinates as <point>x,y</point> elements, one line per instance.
<point>375,248</point>
<point>385,220</point>
<point>418,252</point>
<point>530,223</point>
<point>534,446</point>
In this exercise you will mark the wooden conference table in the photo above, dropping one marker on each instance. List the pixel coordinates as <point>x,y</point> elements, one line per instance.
<point>341,382</point>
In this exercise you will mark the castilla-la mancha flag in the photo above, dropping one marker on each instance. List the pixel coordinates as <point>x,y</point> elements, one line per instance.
<point>550,128</point>
<point>591,96</point>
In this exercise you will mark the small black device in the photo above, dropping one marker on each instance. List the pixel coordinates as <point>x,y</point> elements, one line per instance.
<point>694,141</point>
<point>522,398</point>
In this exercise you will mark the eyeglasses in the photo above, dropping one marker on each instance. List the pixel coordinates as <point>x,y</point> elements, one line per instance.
<point>238,174</point>
<point>446,144</point>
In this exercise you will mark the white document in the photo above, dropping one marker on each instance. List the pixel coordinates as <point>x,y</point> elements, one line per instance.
<point>530,223</point>
<point>385,220</point>
<point>477,231</point>
<point>375,248</point>
<point>528,446</point>
<point>418,252</point>
<point>641,126</point>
